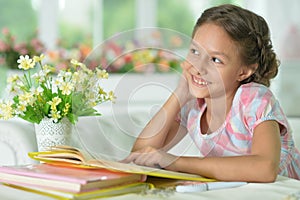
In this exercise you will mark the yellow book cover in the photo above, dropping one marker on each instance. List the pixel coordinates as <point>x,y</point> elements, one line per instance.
<point>100,193</point>
<point>71,156</point>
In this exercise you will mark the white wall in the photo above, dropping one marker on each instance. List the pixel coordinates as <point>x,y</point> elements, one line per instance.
<point>284,23</point>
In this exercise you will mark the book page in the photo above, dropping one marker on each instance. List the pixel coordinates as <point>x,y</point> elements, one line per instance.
<point>65,154</point>
<point>150,171</point>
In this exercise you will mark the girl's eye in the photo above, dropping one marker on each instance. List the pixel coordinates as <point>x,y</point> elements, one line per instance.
<point>195,52</point>
<point>216,60</point>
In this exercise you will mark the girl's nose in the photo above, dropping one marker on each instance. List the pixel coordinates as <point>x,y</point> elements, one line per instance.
<point>196,69</point>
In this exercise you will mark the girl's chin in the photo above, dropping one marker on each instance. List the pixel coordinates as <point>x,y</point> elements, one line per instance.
<point>199,94</point>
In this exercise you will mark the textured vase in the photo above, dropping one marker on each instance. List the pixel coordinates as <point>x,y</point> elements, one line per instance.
<point>49,133</point>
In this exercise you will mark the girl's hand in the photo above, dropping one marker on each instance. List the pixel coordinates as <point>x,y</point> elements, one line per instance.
<point>152,157</point>
<point>182,91</point>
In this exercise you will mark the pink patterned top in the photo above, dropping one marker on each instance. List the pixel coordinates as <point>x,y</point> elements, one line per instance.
<point>253,103</point>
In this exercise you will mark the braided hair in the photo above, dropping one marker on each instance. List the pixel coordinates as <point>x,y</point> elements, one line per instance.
<point>251,34</point>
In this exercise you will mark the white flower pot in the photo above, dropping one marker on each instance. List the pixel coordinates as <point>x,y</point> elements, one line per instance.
<point>49,133</point>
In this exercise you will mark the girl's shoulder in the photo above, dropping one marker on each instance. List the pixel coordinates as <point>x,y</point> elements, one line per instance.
<point>254,93</point>
<point>254,88</point>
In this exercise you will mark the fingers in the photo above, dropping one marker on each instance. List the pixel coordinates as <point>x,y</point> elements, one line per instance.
<point>184,65</point>
<point>146,157</point>
<point>131,158</point>
<point>138,155</point>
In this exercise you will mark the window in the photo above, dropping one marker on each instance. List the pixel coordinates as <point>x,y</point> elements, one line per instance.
<point>19,17</point>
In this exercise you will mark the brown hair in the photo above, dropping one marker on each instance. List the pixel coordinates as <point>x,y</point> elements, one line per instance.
<point>252,36</point>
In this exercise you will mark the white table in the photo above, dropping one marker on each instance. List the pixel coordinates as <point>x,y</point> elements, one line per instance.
<point>279,190</point>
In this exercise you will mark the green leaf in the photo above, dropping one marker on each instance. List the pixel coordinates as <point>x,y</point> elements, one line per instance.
<point>73,118</point>
<point>32,116</point>
<point>87,112</point>
<point>46,109</point>
<point>16,99</point>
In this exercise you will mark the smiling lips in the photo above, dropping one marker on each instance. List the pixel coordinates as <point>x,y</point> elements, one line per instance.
<point>199,81</point>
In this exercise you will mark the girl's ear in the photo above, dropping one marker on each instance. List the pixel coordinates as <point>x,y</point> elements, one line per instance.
<point>247,71</point>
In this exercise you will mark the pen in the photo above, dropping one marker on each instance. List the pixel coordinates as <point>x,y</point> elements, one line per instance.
<point>201,187</point>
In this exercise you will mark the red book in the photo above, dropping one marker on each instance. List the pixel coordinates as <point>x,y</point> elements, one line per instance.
<point>65,178</point>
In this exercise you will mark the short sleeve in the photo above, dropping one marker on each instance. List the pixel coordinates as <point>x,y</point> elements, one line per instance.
<point>259,104</point>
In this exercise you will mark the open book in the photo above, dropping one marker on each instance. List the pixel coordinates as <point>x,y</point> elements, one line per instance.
<point>66,155</point>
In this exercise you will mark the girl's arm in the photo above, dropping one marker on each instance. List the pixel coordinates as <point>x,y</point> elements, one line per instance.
<point>162,131</point>
<point>261,166</point>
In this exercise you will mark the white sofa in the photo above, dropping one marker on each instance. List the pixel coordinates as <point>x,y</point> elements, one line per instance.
<point>17,138</point>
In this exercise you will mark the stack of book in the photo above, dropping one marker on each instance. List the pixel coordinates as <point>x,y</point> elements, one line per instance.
<point>69,173</point>
<point>71,183</point>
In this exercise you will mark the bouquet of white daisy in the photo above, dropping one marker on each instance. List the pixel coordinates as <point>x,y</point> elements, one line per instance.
<point>39,94</point>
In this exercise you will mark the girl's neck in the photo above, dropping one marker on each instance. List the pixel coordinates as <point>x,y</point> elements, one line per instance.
<point>215,114</point>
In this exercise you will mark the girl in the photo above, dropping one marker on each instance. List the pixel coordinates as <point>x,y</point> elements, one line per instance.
<point>224,104</point>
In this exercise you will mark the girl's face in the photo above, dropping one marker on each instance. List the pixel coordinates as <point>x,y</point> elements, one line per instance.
<point>213,67</point>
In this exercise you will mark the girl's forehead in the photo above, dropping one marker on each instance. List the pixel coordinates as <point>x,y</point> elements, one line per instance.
<point>213,38</point>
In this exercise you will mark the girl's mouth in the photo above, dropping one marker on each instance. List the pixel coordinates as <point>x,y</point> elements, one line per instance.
<point>199,81</point>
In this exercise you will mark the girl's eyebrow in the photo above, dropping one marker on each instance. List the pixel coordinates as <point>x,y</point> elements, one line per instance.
<point>197,47</point>
<point>219,53</point>
<point>195,44</point>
